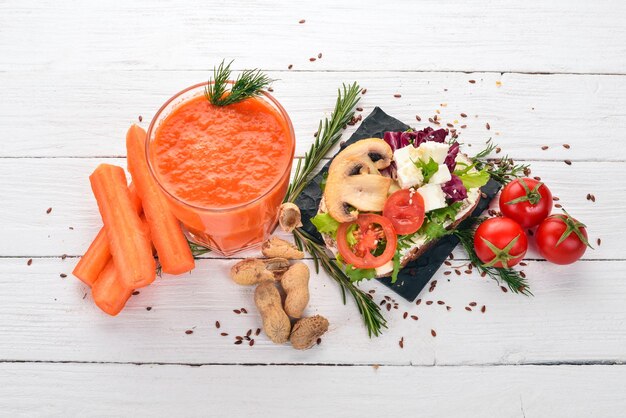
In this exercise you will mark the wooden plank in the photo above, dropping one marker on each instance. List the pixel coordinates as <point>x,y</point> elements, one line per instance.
<point>535,36</point>
<point>577,315</point>
<point>62,184</point>
<point>87,113</point>
<point>155,391</point>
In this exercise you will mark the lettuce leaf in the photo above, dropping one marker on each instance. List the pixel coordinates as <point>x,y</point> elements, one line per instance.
<point>325,224</point>
<point>473,180</point>
<point>428,169</point>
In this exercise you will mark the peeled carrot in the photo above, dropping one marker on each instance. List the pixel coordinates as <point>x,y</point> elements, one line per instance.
<point>129,242</point>
<point>108,292</point>
<point>170,242</point>
<point>98,254</point>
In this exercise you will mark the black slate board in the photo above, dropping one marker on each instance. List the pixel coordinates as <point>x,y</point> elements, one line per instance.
<point>414,277</point>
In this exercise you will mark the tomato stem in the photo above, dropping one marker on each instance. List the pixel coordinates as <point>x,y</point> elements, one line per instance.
<point>574,226</point>
<point>501,255</point>
<point>532,196</point>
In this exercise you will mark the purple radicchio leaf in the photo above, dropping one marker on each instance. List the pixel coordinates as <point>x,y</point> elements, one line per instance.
<point>454,190</point>
<point>450,160</point>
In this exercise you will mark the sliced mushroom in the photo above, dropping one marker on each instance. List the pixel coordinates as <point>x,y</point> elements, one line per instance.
<point>351,187</point>
<point>374,149</point>
<point>289,217</point>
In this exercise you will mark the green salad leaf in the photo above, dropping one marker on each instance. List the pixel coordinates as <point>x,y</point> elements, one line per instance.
<point>472,179</point>
<point>325,224</point>
<point>428,169</point>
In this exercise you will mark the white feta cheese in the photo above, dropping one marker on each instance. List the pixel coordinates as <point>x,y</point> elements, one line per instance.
<point>405,156</point>
<point>434,197</point>
<point>409,176</point>
<point>435,150</point>
<point>441,176</point>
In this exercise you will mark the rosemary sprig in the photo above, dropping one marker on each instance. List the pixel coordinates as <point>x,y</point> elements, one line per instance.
<point>503,169</point>
<point>370,311</point>
<point>249,83</point>
<point>509,276</point>
<point>328,135</point>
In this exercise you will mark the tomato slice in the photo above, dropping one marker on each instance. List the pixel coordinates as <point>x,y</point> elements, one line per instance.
<point>370,230</point>
<point>405,210</point>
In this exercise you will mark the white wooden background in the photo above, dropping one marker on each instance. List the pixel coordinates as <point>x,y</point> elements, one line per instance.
<point>74,75</point>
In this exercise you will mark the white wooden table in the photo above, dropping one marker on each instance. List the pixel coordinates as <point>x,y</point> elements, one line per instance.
<point>74,75</point>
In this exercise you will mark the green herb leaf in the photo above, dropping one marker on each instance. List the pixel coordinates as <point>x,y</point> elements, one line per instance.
<point>472,180</point>
<point>325,224</point>
<point>249,83</point>
<point>396,266</point>
<point>433,230</point>
<point>356,275</point>
<point>441,215</point>
<point>428,169</point>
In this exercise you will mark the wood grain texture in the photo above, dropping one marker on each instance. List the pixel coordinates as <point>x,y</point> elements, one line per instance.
<point>86,113</point>
<point>536,36</point>
<point>577,315</point>
<point>35,184</point>
<point>165,391</point>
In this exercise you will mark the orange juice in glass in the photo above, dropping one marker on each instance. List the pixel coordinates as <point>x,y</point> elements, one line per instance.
<point>223,169</point>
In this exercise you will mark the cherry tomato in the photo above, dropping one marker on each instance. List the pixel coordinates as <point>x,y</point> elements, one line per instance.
<point>405,210</point>
<point>526,201</point>
<point>561,239</point>
<point>500,242</point>
<point>370,230</point>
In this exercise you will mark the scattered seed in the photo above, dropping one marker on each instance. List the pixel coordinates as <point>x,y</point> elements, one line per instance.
<point>140,118</point>
<point>468,271</point>
<point>418,118</point>
<point>238,342</point>
<point>429,302</point>
<point>448,308</point>
<point>251,343</point>
<point>319,55</point>
<point>136,292</point>
<point>388,307</point>
<point>483,309</point>
<point>599,241</point>
<point>238,337</point>
<point>237,311</point>
<point>397,95</point>
<point>270,89</point>
<point>247,338</point>
<point>545,147</point>
<point>566,146</point>
<point>458,273</point>
<point>189,331</point>
<point>523,264</point>
<point>290,66</point>
<point>521,273</point>
<point>472,81</point>
<point>447,263</point>
<point>49,210</point>
<point>243,310</point>
<point>359,109</point>
<point>556,199</point>
<point>363,91</point>
<point>433,333</point>
<point>29,262</point>
<point>414,317</point>
<point>487,126</point>
<point>498,149</point>
<point>447,273</point>
<point>593,198</point>
<point>382,302</point>
<point>249,333</point>
<point>504,289</point>
<point>418,302</point>
<point>302,21</point>
<point>463,115</point>
<point>71,228</point>
<point>440,302</point>
<point>312,59</point>
<point>224,334</point>
<point>257,332</point>
<point>388,298</point>
<point>568,162</point>
<point>463,126</point>
<point>449,125</point>
<point>148,308</point>
<point>217,324</point>
<point>401,342</point>
<point>472,304</point>
<point>63,275</point>
<point>558,205</point>
<point>319,341</point>
<point>467,308</point>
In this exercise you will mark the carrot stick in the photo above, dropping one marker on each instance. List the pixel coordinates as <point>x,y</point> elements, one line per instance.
<point>128,241</point>
<point>170,242</point>
<point>98,254</point>
<point>108,292</point>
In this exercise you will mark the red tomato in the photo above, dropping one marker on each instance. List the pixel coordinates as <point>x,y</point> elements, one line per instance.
<point>500,242</point>
<point>526,201</point>
<point>562,239</point>
<point>405,210</point>
<point>370,230</point>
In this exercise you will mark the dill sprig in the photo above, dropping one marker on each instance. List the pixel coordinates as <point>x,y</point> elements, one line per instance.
<point>370,311</point>
<point>249,83</point>
<point>511,277</point>
<point>328,135</point>
<point>503,170</point>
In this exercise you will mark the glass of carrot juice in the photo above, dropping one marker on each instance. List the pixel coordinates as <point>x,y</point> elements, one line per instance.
<point>223,170</point>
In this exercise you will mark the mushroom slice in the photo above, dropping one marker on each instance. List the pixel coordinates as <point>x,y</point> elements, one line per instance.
<point>351,187</point>
<point>374,149</point>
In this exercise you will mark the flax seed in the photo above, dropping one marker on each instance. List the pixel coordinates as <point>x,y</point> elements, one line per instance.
<point>458,273</point>
<point>447,273</point>
<point>136,292</point>
<point>429,302</point>
<point>189,331</point>
<point>312,59</point>
<point>63,275</point>
<point>388,307</point>
<point>440,302</point>
<point>217,324</point>
<point>257,332</point>
<point>239,338</point>
<point>401,342</point>
<point>418,302</point>
<point>545,147</point>
<point>414,317</point>
<point>319,55</point>
<point>599,241</point>
<point>243,310</point>
<point>405,315</point>
<point>140,118</point>
<point>237,311</point>
<point>224,334</point>
<point>363,91</point>
<point>290,66</point>
<point>359,109</point>
<point>148,308</point>
<point>397,95</point>
<point>558,205</point>
<point>504,289</point>
<point>472,81</point>
<point>568,162</point>
<point>487,126</point>
<point>566,146</point>
<point>433,333</point>
<point>483,309</point>
<point>472,304</point>
<point>418,118</point>
<point>49,210</point>
<point>467,308</point>
<point>29,262</point>
<point>448,308</point>
<point>238,342</point>
<point>302,21</point>
<point>449,125</point>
